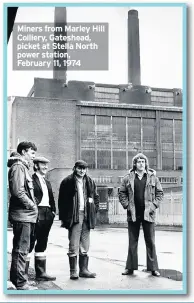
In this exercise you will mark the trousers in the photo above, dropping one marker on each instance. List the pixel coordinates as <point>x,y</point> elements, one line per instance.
<point>79,237</point>
<point>149,236</point>
<point>42,228</point>
<point>23,241</point>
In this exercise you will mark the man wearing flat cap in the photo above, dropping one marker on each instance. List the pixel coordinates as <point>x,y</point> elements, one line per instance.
<point>46,213</point>
<point>78,204</point>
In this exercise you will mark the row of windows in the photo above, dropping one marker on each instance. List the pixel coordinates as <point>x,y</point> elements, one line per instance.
<point>106,96</point>
<point>104,159</point>
<point>116,91</point>
<point>107,89</point>
<point>161,93</point>
<point>109,179</point>
<point>163,180</point>
<point>163,99</point>
<point>171,180</point>
<point>112,142</point>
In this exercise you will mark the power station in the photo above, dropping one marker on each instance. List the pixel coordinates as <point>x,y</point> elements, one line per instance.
<point>103,124</point>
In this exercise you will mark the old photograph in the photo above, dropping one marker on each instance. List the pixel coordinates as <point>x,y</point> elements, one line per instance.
<point>96,150</point>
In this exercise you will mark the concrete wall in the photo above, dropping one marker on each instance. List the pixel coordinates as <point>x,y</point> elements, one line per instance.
<point>57,88</point>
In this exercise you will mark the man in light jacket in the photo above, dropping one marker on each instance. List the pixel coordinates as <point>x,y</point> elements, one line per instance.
<point>23,211</point>
<point>141,194</point>
<point>78,204</point>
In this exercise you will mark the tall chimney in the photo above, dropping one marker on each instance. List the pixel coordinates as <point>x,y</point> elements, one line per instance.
<point>60,19</point>
<point>134,72</point>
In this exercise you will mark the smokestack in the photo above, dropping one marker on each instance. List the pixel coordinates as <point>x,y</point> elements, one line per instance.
<point>134,72</point>
<point>60,20</point>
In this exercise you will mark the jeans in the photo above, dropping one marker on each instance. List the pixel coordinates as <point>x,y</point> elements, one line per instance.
<point>149,236</point>
<point>23,240</point>
<point>79,237</point>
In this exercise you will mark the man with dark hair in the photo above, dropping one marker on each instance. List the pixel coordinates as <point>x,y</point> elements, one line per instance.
<point>23,211</point>
<point>46,213</point>
<point>78,205</point>
<point>141,194</point>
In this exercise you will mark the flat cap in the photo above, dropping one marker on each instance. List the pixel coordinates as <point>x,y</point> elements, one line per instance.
<point>41,159</point>
<point>81,163</point>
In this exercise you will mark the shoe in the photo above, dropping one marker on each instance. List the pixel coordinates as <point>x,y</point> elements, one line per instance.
<point>73,268</point>
<point>127,272</point>
<point>26,286</point>
<point>155,273</point>
<point>83,266</point>
<point>40,269</point>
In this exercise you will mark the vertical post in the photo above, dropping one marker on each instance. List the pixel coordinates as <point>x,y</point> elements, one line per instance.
<point>172,207</point>
<point>173,129</point>
<point>141,135</point>
<point>111,148</point>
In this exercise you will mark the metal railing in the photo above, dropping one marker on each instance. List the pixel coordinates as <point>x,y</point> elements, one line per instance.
<point>169,213</point>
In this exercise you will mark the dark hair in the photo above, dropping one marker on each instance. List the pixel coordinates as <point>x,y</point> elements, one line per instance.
<point>25,145</point>
<point>140,156</point>
<point>34,167</point>
<point>14,154</point>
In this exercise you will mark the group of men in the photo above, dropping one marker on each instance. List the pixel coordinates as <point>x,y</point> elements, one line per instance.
<point>32,210</point>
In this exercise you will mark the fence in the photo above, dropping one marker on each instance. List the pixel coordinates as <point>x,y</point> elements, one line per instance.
<point>169,213</point>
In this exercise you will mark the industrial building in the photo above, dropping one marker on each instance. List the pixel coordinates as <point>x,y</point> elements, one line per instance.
<point>103,124</point>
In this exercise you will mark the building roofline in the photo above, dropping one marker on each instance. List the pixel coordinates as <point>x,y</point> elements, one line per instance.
<point>128,106</point>
<point>107,104</point>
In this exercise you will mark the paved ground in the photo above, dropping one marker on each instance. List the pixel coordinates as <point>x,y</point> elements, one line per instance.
<point>107,258</point>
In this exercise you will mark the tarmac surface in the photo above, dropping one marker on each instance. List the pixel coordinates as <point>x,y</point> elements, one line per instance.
<point>108,252</point>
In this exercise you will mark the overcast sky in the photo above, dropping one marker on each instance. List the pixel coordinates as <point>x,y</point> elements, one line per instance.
<point>161,46</point>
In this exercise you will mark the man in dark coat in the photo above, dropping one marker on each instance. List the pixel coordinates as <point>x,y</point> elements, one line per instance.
<point>23,211</point>
<point>141,194</point>
<point>46,213</point>
<point>78,205</point>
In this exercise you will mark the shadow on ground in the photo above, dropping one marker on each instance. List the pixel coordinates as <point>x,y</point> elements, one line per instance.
<point>170,274</point>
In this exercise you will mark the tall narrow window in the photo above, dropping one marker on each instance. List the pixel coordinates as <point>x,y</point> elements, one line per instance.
<point>103,133</point>
<point>149,140</point>
<point>134,138</point>
<point>88,139</point>
<point>167,144</point>
<point>119,142</point>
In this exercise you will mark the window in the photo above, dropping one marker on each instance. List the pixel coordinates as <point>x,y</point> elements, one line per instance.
<point>103,133</point>
<point>87,131</point>
<point>89,156</point>
<point>134,138</point>
<point>171,180</point>
<point>167,144</point>
<point>106,94</point>
<point>119,142</point>
<point>149,141</point>
<point>88,140</point>
<point>103,159</point>
<point>119,132</point>
<point>119,159</point>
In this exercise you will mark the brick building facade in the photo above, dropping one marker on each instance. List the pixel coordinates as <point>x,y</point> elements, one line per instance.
<point>105,126</point>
